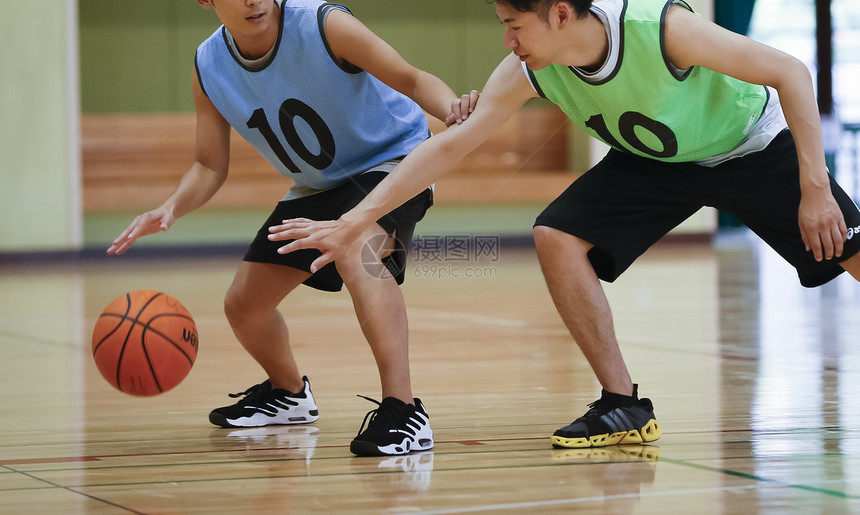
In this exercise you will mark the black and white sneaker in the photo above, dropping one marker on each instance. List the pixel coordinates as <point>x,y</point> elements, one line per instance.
<point>263,405</point>
<point>393,428</point>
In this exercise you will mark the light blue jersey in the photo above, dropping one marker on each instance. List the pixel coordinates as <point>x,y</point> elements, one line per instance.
<point>315,119</point>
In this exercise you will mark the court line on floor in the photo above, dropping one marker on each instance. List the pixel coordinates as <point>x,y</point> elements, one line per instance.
<point>466,442</point>
<point>305,475</point>
<point>683,463</point>
<point>98,457</point>
<point>728,472</point>
<point>70,490</point>
<point>577,500</point>
<point>469,443</point>
<point>558,502</point>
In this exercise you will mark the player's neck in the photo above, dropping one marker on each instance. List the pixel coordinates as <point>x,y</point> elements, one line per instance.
<point>586,43</point>
<point>255,45</point>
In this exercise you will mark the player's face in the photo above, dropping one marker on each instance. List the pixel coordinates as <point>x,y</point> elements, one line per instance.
<point>526,35</point>
<point>245,16</point>
<point>253,24</point>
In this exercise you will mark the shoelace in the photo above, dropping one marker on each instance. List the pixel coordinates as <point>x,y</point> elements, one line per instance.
<point>376,415</point>
<point>600,407</point>
<point>596,409</point>
<point>252,390</point>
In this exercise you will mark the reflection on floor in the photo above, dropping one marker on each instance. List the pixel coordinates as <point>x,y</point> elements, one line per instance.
<point>751,376</point>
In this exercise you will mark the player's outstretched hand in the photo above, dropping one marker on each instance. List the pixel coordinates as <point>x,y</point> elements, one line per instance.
<point>330,237</point>
<point>150,222</point>
<point>461,108</point>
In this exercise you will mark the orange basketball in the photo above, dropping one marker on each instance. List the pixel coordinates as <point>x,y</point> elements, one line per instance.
<point>145,343</point>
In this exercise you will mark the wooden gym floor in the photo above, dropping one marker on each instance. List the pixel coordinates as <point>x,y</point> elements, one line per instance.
<point>753,380</point>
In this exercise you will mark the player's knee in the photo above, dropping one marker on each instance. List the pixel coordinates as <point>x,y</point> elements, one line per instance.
<point>351,266</point>
<point>548,238</point>
<point>235,307</point>
<point>364,257</point>
<point>543,235</point>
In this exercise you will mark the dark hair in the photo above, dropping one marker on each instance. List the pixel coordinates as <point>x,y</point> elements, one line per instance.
<point>542,7</point>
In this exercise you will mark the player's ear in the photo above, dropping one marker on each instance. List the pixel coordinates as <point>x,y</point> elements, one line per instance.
<point>563,13</point>
<point>206,4</point>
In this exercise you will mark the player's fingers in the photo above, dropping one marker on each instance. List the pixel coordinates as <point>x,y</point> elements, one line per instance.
<point>465,108</point>
<point>466,104</point>
<point>473,99</point>
<point>135,233</point>
<point>296,244</point>
<point>822,246</point>
<point>125,233</point>
<point>114,247</point>
<point>124,240</point>
<point>292,223</point>
<point>286,232</point>
<point>122,247</point>
<point>456,112</point>
<point>812,242</point>
<point>320,262</point>
<point>840,233</point>
<point>280,233</point>
<point>834,243</point>
<point>828,246</point>
<point>300,222</point>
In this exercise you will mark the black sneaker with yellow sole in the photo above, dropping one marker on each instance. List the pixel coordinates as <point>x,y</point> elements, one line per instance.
<point>612,419</point>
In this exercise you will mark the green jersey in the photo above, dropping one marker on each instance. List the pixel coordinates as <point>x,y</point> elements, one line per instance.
<point>640,103</point>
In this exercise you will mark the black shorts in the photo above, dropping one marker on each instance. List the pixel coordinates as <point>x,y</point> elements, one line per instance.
<point>329,205</point>
<point>626,203</point>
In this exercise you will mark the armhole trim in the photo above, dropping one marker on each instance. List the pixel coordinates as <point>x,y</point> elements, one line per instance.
<point>199,77</point>
<point>322,15</point>
<point>679,74</point>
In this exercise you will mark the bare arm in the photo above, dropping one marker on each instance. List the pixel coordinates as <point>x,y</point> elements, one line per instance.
<point>506,91</point>
<point>200,182</point>
<point>692,40</point>
<point>351,41</point>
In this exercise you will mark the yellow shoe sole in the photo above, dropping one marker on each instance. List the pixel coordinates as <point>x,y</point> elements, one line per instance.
<point>649,433</point>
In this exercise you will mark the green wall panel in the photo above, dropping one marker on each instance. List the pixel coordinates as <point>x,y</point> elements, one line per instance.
<point>138,56</point>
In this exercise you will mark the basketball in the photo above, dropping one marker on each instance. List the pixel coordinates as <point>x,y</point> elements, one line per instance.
<point>145,343</point>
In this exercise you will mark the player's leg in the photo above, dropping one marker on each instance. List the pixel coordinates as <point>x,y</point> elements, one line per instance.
<point>251,306</point>
<point>400,424</point>
<point>371,270</point>
<point>380,309</point>
<point>619,416</point>
<point>262,280</point>
<point>594,231</point>
<point>582,304</point>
